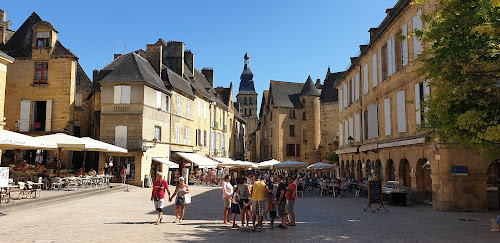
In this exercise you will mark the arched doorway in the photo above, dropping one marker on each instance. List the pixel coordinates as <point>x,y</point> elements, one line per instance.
<point>378,171</point>
<point>389,170</point>
<point>424,181</point>
<point>353,170</point>
<point>368,170</point>
<point>404,173</point>
<point>342,169</point>
<point>360,171</point>
<point>493,181</point>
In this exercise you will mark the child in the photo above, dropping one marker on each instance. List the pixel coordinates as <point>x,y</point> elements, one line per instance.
<point>271,208</point>
<point>235,207</point>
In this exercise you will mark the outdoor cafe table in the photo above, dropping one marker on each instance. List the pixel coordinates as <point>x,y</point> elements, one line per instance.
<point>9,189</point>
<point>38,186</point>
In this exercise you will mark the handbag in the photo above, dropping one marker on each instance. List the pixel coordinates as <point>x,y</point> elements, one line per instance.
<point>187,198</point>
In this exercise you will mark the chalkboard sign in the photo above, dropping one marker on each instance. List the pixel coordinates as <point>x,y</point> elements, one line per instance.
<point>374,192</point>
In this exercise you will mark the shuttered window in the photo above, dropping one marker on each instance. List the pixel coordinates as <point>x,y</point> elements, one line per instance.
<point>357,134</point>
<point>48,116</point>
<point>121,136</point>
<point>418,94</point>
<point>417,25</point>
<point>188,136</point>
<point>179,105</point>
<point>341,106</point>
<point>204,110</point>
<point>351,127</point>
<point>341,137</point>
<point>372,121</point>
<point>25,116</point>
<point>356,86</point>
<point>121,94</point>
<point>374,71</point>
<point>188,108</point>
<point>158,100</point>
<point>346,132</point>
<point>401,109</point>
<point>380,65</point>
<point>78,99</point>
<point>345,95</point>
<point>157,133</point>
<point>178,131</point>
<point>387,116</point>
<point>365,79</point>
<point>404,46</point>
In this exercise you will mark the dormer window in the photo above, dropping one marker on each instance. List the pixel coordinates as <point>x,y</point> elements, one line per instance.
<point>42,39</point>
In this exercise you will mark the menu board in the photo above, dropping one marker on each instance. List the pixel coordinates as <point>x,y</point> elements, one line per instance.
<point>375,192</point>
<point>4,176</point>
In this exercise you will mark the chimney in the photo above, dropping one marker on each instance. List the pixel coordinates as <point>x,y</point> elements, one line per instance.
<point>318,83</point>
<point>209,74</point>
<point>189,60</point>
<point>154,56</point>
<point>373,33</point>
<point>3,16</point>
<point>174,57</point>
<point>116,56</point>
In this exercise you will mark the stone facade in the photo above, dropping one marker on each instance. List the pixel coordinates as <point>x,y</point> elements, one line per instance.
<point>5,60</point>
<point>380,99</point>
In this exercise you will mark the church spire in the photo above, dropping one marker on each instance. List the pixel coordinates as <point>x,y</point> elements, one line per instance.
<point>246,82</point>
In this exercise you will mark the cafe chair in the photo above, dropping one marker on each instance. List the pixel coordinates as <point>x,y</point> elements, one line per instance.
<point>56,183</point>
<point>23,190</point>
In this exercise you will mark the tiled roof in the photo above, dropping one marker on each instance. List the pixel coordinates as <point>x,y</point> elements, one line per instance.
<point>61,51</point>
<point>134,68</point>
<point>173,81</point>
<point>285,94</point>
<point>310,89</point>
<point>328,91</point>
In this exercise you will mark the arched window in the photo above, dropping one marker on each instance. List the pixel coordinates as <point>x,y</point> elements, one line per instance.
<point>245,101</point>
<point>250,101</point>
<point>245,109</point>
<point>250,109</point>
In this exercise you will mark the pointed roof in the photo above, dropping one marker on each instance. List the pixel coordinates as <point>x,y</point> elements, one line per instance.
<point>329,92</point>
<point>310,89</point>
<point>134,68</point>
<point>246,82</point>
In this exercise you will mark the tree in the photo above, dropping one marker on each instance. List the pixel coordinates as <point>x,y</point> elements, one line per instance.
<point>462,63</point>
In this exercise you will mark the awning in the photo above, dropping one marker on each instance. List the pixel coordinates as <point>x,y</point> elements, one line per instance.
<point>199,160</point>
<point>14,140</point>
<point>289,164</point>
<point>268,164</point>
<point>228,162</point>
<point>109,147</point>
<point>320,165</point>
<point>167,162</point>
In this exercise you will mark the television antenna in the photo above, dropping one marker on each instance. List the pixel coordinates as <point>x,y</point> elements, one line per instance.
<point>120,45</point>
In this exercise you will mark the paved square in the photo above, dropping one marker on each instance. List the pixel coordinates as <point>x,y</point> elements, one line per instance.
<point>129,217</point>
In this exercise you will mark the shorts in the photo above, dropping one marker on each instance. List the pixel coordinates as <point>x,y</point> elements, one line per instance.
<point>123,175</point>
<point>159,204</point>
<point>243,201</point>
<point>235,208</point>
<point>258,208</point>
<point>227,202</point>
<point>179,201</point>
<point>272,214</point>
<point>290,206</point>
<point>281,209</point>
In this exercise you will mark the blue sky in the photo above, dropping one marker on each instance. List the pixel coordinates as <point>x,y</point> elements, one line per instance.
<point>286,40</point>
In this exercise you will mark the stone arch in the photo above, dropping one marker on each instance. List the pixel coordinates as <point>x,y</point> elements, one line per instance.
<point>424,181</point>
<point>368,170</point>
<point>359,168</point>
<point>353,170</point>
<point>378,172</point>
<point>389,170</point>
<point>404,173</point>
<point>342,169</point>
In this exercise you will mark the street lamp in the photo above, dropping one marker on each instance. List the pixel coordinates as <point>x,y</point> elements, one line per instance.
<point>350,140</point>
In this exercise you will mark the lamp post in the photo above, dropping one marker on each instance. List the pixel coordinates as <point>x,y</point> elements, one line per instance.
<point>350,140</point>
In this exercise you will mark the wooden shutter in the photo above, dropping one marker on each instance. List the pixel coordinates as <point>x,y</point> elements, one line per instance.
<point>380,65</point>
<point>365,78</point>
<point>404,45</point>
<point>417,25</point>
<point>121,136</point>
<point>125,94</point>
<point>427,92</point>
<point>341,107</point>
<point>346,132</point>
<point>24,120</point>
<point>288,150</point>
<point>389,57</point>
<point>374,71</point>
<point>387,116</point>
<point>179,105</point>
<point>78,99</point>
<point>353,88</point>
<point>158,100</point>
<point>188,137</point>
<point>418,115</point>
<point>372,121</point>
<point>401,106</point>
<point>48,116</point>
<point>393,53</point>
<point>357,134</point>
<point>357,86</point>
<point>341,138</point>
<point>351,127</point>
<point>117,94</point>
<point>297,150</point>
<point>188,108</point>
<point>363,133</point>
<point>345,95</point>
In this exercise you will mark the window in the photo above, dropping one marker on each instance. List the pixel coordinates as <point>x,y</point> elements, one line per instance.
<point>293,150</point>
<point>303,116</point>
<point>345,95</point>
<point>42,39</point>
<point>158,100</point>
<point>205,138</point>
<point>245,111</point>
<point>384,62</point>
<point>374,71</point>
<point>157,135</point>
<point>250,112</point>
<point>292,130</point>
<point>292,114</point>
<point>39,115</point>
<point>250,102</point>
<point>270,115</point>
<point>341,106</point>
<point>341,138</point>
<point>41,72</point>
<point>372,121</point>
<point>421,91</point>
<point>401,109</point>
<point>404,46</point>
<point>188,108</point>
<point>179,105</point>
<point>304,135</point>
<point>76,131</point>
<point>121,94</point>
<point>178,132</point>
<point>365,79</point>
<point>167,103</point>
<point>357,86</point>
<point>78,100</point>
<point>121,136</point>
<point>357,134</point>
<point>417,25</point>
<point>188,137</point>
<point>245,101</point>
<point>265,119</point>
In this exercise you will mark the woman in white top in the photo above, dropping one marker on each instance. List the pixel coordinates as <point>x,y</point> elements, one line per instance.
<point>180,190</point>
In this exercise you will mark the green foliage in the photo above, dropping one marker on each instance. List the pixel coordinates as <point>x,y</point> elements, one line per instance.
<point>333,157</point>
<point>462,63</point>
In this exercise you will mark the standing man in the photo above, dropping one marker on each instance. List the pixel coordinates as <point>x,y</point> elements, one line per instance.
<point>290,196</point>
<point>158,195</point>
<point>259,191</point>
<point>227,192</point>
<point>281,201</point>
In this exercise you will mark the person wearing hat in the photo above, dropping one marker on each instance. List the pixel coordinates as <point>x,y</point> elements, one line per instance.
<point>180,190</point>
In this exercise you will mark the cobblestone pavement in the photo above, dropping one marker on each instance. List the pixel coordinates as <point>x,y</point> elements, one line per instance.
<point>129,216</point>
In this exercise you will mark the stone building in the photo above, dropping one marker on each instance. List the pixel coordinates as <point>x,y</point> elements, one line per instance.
<point>42,90</point>
<point>380,99</point>
<point>290,127</point>
<point>247,101</point>
<point>5,60</point>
